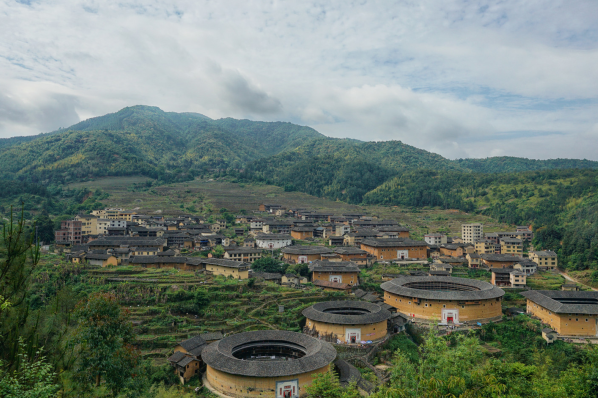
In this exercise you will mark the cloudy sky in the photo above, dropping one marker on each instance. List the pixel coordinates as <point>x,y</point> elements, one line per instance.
<point>460,78</point>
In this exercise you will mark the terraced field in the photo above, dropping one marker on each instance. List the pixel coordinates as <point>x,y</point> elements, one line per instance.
<point>164,310</point>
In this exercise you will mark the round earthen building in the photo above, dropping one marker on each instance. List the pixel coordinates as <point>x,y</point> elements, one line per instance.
<point>446,300</point>
<point>346,321</point>
<point>267,363</point>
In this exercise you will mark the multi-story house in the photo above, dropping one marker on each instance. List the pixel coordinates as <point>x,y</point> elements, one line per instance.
<point>470,233</point>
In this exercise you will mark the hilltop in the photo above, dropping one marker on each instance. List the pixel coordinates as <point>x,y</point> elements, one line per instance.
<point>169,146</point>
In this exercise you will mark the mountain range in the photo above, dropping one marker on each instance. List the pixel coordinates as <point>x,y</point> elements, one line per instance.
<point>175,146</point>
<point>559,196</point>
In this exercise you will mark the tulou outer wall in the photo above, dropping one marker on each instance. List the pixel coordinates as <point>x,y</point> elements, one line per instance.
<point>246,386</point>
<point>565,324</point>
<point>432,309</point>
<point>374,331</point>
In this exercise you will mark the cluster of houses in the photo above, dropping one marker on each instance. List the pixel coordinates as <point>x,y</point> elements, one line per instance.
<point>502,253</point>
<point>334,246</point>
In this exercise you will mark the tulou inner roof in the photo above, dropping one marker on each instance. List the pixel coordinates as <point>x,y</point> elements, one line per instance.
<point>331,312</point>
<point>442,288</point>
<point>219,355</point>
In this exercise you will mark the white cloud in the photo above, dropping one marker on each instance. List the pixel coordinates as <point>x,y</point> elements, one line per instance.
<point>446,76</point>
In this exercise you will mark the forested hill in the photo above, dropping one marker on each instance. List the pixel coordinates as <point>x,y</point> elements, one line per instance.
<point>145,140</point>
<point>169,146</point>
<point>505,164</point>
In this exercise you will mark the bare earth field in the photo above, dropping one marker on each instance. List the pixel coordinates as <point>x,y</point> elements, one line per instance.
<point>203,196</point>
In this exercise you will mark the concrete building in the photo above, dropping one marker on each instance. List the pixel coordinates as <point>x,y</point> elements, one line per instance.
<point>546,259</point>
<point>446,300</point>
<point>70,233</point>
<point>435,239</point>
<point>508,277</point>
<point>512,246</point>
<point>265,363</point>
<point>470,233</point>
<point>349,322</point>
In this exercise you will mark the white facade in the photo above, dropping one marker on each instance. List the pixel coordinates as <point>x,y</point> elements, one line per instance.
<point>267,243</point>
<point>435,239</point>
<point>118,223</point>
<point>470,233</point>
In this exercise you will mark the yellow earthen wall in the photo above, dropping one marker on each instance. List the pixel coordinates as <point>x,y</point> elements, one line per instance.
<point>488,308</point>
<point>374,331</point>
<point>388,253</point>
<point>564,324</point>
<point>350,278</point>
<point>226,271</point>
<point>243,386</point>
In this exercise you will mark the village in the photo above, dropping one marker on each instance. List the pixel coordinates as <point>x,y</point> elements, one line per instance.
<point>377,280</point>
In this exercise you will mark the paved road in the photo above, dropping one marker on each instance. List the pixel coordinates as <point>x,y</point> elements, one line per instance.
<point>566,276</point>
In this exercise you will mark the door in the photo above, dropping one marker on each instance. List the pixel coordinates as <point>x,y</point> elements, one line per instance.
<point>353,336</point>
<point>302,259</point>
<point>336,278</point>
<point>402,254</point>
<point>287,389</point>
<point>450,316</point>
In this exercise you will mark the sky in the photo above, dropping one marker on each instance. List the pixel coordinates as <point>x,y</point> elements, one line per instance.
<point>459,78</point>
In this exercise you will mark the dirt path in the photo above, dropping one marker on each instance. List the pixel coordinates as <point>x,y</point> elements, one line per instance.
<point>566,276</point>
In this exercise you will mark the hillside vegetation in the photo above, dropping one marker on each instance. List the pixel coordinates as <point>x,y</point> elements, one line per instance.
<point>556,196</point>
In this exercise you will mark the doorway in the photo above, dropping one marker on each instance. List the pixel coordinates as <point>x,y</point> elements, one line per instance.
<point>287,389</point>
<point>352,336</point>
<point>450,316</point>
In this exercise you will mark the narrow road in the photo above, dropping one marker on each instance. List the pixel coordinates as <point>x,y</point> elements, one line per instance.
<point>566,276</point>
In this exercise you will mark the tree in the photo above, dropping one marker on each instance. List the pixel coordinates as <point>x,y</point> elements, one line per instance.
<point>327,385</point>
<point>104,335</point>
<point>201,299</point>
<point>218,251</point>
<point>298,269</point>
<point>45,228</point>
<point>269,264</point>
<point>18,259</point>
<point>33,379</point>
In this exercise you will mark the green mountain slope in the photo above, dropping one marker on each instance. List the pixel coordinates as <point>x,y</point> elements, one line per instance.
<point>504,164</point>
<point>145,140</point>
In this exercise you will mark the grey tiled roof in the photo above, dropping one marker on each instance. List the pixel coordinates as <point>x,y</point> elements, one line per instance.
<point>94,256</point>
<point>347,373</point>
<point>119,240</point>
<point>212,336</point>
<point>336,268</point>
<point>549,299</point>
<point>349,250</point>
<point>502,257</point>
<point>192,343</point>
<point>157,260</point>
<point>321,312</point>
<point>273,237</point>
<point>217,261</point>
<point>185,361</point>
<point>486,290</point>
<point>306,250</point>
<point>393,242</point>
<point>177,356</point>
<point>546,253</point>
<point>219,355</point>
